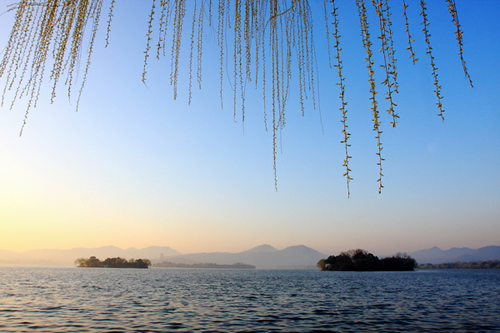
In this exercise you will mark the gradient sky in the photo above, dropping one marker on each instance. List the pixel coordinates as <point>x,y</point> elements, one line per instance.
<point>134,168</point>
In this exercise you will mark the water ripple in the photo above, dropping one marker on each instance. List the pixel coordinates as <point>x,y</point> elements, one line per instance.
<point>159,300</point>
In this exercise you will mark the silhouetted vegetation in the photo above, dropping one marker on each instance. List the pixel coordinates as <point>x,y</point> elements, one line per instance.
<point>361,260</point>
<point>490,264</point>
<point>204,265</point>
<point>113,263</point>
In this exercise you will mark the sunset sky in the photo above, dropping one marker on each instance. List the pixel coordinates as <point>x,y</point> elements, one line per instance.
<point>134,168</point>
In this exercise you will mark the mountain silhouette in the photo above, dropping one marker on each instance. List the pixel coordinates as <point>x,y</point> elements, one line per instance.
<point>435,255</point>
<point>263,257</point>
<point>263,248</point>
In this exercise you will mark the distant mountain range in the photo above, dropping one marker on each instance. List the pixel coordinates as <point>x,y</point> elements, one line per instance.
<point>263,256</point>
<point>463,254</point>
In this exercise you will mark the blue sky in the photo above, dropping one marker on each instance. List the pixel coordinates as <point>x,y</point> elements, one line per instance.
<point>134,168</point>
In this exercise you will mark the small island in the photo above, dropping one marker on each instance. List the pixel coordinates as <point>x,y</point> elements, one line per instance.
<point>361,260</point>
<point>237,265</point>
<point>112,263</point>
<point>489,264</point>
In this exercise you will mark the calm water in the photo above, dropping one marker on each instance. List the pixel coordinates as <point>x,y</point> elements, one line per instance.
<point>164,300</point>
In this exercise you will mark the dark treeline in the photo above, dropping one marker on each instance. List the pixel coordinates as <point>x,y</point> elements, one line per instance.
<point>490,264</point>
<point>204,265</point>
<point>361,260</point>
<point>113,263</point>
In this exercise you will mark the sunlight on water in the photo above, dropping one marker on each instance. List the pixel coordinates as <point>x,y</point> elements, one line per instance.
<point>159,300</point>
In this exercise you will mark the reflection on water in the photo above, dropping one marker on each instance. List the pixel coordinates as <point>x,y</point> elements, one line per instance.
<point>163,300</point>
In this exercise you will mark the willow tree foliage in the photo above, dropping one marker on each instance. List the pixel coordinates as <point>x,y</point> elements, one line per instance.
<point>263,41</point>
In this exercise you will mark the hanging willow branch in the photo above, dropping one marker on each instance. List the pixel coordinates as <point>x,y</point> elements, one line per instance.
<point>453,11</point>
<point>272,38</point>
<point>343,102</point>
<point>425,30</point>
<point>414,59</point>
<point>365,35</point>
<point>389,65</point>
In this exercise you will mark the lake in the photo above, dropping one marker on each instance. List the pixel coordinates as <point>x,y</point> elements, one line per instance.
<point>40,299</point>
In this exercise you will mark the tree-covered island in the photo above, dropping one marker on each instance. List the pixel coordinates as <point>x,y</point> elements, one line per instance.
<point>361,260</point>
<point>113,263</point>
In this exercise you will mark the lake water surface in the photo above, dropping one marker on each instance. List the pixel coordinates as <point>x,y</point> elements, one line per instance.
<point>36,299</point>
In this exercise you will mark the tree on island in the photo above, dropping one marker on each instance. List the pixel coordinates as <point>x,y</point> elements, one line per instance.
<point>361,260</point>
<point>113,263</point>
